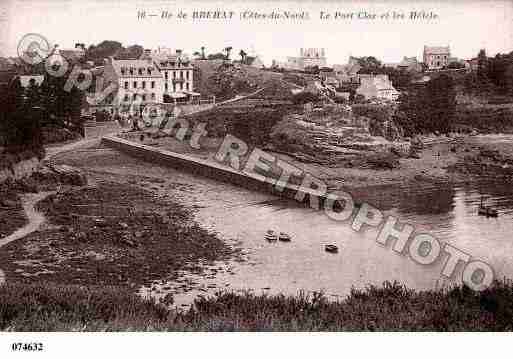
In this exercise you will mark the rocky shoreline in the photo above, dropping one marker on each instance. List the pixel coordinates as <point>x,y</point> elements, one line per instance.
<point>111,234</point>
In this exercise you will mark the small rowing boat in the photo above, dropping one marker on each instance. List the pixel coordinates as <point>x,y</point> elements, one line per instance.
<point>331,248</point>
<point>271,236</point>
<point>284,237</point>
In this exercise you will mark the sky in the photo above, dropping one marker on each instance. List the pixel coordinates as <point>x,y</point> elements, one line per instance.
<point>466,26</point>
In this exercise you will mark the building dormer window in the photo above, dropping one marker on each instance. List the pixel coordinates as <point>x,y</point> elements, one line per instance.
<point>140,71</point>
<point>123,70</point>
<point>149,70</point>
<point>131,71</point>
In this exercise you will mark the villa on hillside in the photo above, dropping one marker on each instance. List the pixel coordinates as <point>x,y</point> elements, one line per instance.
<point>436,57</point>
<point>137,80</point>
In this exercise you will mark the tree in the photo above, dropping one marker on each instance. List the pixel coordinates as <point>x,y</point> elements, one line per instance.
<point>131,52</point>
<point>429,108</point>
<point>508,80</point>
<point>103,50</point>
<point>242,55</point>
<point>369,65</point>
<point>20,116</point>
<point>483,81</point>
<point>442,103</point>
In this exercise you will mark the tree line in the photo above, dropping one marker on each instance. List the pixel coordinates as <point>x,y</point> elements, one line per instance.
<point>25,110</point>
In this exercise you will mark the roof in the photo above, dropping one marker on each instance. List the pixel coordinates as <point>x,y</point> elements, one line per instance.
<point>164,60</point>
<point>122,68</point>
<point>437,50</point>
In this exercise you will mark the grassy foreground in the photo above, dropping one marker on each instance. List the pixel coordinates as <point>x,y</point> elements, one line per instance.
<point>48,307</point>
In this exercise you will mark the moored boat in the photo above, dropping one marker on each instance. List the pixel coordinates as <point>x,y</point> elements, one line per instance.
<point>331,248</point>
<point>271,236</point>
<point>284,237</point>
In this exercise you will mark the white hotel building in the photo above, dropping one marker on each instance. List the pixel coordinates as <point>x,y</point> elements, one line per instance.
<point>156,77</point>
<point>137,80</point>
<point>177,74</point>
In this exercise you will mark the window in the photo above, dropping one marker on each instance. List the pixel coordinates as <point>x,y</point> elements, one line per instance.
<point>174,74</point>
<point>187,86</point>
<point>149,70</point>
<point>126,85</point>
<point>126,98</point>
<point>123,71</point>
<point>131,71</point>
<point>181,74</point>
<point>153,96</point>
<point>135,84</point>
<point>165,74</point>
<point>140,71</point>
<point>144,97</point>
<point>134,97</point>
<point>174,87</point>
<point>181,86</point>
<point>153,84</point>
<point>187,75</point>
<point>144,84</point>
<point>165,86</point>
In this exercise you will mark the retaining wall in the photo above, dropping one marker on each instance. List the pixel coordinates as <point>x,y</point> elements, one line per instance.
<point>204,168</point>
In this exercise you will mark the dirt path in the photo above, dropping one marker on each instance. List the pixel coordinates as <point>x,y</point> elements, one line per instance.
<point>35,219</point>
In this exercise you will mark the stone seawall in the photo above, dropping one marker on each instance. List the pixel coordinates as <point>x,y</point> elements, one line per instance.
<point>19,170</point>
<point>204,168</point>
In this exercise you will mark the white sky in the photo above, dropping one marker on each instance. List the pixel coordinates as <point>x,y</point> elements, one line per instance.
<point>466,26</point>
